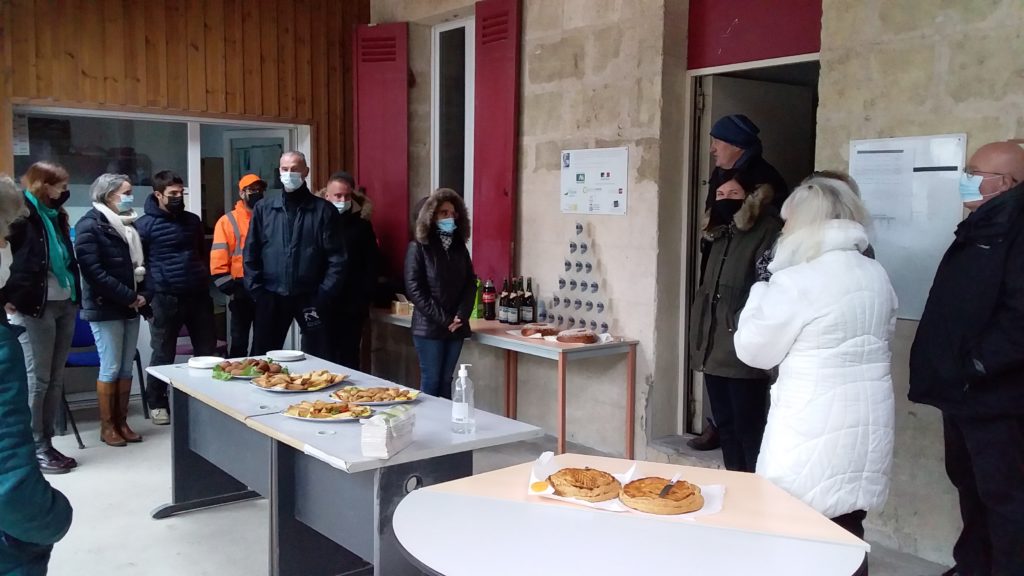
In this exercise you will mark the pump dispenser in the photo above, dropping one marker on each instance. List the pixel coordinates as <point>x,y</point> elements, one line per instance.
<point>463,418</point>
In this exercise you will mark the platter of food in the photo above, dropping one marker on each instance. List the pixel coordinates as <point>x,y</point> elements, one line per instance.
<point>377,396</point>
<point>246,369</point>
<point>323,411</point>
<point>305,382</point>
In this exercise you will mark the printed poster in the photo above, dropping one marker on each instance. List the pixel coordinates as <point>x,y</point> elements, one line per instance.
<point>594,181</point>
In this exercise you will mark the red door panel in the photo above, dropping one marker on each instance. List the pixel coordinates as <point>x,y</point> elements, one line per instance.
<point>738,31</point>
<point>496,136</point>
<point>382,133</point>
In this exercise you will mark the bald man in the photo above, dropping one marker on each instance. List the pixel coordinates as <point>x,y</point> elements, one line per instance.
<point>968,361</point>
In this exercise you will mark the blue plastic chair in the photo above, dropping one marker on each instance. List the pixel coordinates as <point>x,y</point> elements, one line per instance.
<point>91,359</point>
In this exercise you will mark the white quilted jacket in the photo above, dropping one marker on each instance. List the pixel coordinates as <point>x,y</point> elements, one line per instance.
<point>826,324</point>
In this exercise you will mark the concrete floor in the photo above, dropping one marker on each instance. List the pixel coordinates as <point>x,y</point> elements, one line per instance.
<point>114,490</point>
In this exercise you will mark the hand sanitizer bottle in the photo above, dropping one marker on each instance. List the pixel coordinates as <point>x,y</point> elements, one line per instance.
<point>463,419</point>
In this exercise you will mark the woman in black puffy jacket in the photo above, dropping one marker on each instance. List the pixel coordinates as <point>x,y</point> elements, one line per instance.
<point>110,258</point>
<point>441,284</point>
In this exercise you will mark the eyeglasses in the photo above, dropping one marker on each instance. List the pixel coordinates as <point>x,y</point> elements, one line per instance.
<point>983,173</point>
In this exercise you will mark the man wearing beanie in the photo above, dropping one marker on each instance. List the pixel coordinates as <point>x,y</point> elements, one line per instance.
<point>735,146</point>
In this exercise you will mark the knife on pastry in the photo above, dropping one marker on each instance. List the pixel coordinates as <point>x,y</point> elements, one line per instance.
<point>668,487</point>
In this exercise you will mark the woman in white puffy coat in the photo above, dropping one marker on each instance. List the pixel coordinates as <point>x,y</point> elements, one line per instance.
<point>825,318</point>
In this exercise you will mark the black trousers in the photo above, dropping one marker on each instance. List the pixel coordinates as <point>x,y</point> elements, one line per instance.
<point>985,462</point>
<point>274,316</point>
<point>347,333</point>
<point>740,406</point>
<point>170,313</point>
<point>853,522</point>
<point>243,311</point>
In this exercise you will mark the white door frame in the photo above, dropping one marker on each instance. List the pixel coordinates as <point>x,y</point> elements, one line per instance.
<point>289,135</point>
<point>688,234</point>
<point>435,98</point>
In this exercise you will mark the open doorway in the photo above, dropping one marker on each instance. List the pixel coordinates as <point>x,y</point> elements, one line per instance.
<point>782,100</point>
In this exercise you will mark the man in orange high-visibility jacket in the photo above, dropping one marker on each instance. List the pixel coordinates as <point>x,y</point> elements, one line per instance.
<point>226,261</point>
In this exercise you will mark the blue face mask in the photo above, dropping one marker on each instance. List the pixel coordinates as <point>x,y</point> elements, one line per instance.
<point>446,225</point>
<point>970,187</point>
<point>343,206</point>
<point>125,204</point>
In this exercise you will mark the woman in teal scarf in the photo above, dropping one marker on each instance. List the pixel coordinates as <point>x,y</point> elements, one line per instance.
<point>42,296</point>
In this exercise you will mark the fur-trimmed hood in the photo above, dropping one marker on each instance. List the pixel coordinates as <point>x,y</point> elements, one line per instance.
<point>425,219</point>
<point>744,219</point>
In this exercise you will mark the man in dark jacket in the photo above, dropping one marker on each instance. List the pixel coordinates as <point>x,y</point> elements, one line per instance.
<point>177,281</point>
<point>968,361</point>
<point>353,307</point>
<point>295,262</point>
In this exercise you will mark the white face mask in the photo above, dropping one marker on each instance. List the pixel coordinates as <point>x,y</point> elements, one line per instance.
<point>343,205</point>
<point>291,181</point>
<point>6,256</point>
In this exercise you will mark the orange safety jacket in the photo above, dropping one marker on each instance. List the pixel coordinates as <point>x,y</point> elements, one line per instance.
<point>228,243</point>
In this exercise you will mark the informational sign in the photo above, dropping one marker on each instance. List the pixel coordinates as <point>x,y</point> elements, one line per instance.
<point>909,186</point>
<point>21,135</point>
<point>594,181</point>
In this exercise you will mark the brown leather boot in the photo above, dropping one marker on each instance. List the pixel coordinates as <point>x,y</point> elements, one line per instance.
<point>124,390</point>
<point>106,393</point>
<point>708,440</point>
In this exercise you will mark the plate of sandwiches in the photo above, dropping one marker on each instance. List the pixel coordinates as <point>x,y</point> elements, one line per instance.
<point>323,411</point>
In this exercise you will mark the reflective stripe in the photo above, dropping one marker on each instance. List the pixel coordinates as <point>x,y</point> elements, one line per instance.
<point>219,246</point>
<point>238,235</point>
<point>222,280</point>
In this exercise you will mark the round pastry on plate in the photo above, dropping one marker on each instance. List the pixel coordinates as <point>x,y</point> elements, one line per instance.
<point>645,495</point>
<point>585,483</point>
<point>539,328</point>
<point>577,336</point>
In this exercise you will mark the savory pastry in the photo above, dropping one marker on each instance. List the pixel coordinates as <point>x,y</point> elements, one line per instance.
<point>578,336</point>
<point>645,495</point>
<point>538,328</point>
<point>585,484</point>
<point>309,382</point>
<point>320,410</point>
<point>379,394</point>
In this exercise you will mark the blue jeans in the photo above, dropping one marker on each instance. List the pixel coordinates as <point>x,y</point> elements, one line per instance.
<point>116,341</point>
<point>437,364</point>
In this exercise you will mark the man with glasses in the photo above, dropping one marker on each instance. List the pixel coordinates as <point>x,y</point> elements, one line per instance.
<point>177,282</point>
<point>968,361</point>
<point>226,261</point>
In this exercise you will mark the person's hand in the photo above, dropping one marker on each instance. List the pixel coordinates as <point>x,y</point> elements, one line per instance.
<point>455,325</point>
<point>140,301</point>
<point>10,308</point>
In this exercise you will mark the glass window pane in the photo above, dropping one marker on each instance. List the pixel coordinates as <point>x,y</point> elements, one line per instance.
<point>452,110</point>
<point>88,147</point>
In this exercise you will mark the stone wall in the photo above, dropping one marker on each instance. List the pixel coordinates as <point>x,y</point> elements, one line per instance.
<point>909,68</point>
<point>591,77</point>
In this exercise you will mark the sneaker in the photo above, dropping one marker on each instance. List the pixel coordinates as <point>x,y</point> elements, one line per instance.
<point>160,416</point>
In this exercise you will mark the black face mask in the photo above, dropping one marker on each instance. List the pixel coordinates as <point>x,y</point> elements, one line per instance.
<point>60,200</point>
<point>723,210</point>
<point>253,199</point>
<point>175,204</point>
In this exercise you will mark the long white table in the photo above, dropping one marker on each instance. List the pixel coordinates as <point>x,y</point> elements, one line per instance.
<point>330,507</point>
<point>488,524</point>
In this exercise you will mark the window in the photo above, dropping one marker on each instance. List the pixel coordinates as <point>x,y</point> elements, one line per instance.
<point>452,102</point>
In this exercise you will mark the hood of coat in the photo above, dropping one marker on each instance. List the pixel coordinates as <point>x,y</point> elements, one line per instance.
<point>744,219</point>
<point>424,220</point>
<point>362,205</point>
<point>808,244</point>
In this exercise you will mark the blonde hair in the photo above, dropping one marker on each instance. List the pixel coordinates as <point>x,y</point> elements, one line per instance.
<point>811,206</point>
<point>12,204</point>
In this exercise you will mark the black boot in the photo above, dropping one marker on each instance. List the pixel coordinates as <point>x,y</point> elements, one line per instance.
<point>708,439</point>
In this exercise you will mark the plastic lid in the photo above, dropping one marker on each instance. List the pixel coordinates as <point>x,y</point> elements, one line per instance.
<point>463,373</point>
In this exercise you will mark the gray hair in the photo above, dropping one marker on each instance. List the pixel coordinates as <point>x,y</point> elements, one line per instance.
<point>106,185</point>
<point>12,204</point>
<point>298,155</point>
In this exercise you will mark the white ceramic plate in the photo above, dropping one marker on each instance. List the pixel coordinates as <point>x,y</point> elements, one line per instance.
<point>388,403</point>
<point>292,391</point>
<point>204,362</point>
<point>325,420</point>
<point>286,355</point>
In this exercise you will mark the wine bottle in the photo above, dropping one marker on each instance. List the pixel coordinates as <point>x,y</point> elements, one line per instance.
<point>527,309</point>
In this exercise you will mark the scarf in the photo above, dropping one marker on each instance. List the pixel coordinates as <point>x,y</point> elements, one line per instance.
<point>60,256</point>
<point>122,224</point>
<point>446,240</point>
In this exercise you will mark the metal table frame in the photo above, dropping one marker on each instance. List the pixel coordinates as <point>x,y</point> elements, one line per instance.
<point>489,333</point>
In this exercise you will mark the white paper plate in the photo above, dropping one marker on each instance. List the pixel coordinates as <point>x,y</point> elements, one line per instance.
<point>292,391</point>
<point>204,362</point>
<point>286,355</point>
<point>387,403</point>
<point>325,420</point>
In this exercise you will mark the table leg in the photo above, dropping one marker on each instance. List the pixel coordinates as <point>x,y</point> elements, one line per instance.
<point>561,403</point>
<point>295,548</point>
<point>511,383</point>
<point>630,399</point>
<point>195,482</point>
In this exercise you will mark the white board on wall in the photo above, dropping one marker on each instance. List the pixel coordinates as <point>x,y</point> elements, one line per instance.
<point>594,181</point>
<point>910,187</point>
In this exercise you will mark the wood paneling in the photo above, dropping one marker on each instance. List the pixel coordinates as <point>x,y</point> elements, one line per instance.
<point>274,60</point>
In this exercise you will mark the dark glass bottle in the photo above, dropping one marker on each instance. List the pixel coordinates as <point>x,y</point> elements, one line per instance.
<point>489,296</point>
<point>528,307</point>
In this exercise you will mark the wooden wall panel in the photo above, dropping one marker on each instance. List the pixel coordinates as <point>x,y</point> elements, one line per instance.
<point>272,60</point>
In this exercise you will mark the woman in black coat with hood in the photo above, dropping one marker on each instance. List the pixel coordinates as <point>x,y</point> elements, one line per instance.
<point>441,284</point>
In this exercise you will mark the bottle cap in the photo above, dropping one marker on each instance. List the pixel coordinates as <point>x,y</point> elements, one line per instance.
<point>463,373</point>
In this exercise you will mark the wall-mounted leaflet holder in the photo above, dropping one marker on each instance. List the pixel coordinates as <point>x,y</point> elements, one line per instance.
<point>560,319</point>
<point>600,307</point>
<point>577,304</point>
<point>588,266</point>
<point>566,303</point>
<point>579,266</point>
<point>568,265</point>
<point>573,247</point>
<point>579,228</point>
<point>584,286</point>
<point>572,322</point>
<point>604,327</point>
<point>561,283</point>
<point>584,247</point>
<point>556,301</point>
<point>572,284</point>
<point>593,287</point>
<point>588,306</point>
